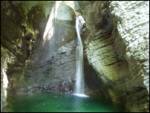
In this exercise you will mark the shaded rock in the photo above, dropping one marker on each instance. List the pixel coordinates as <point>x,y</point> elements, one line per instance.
<point>107,51</point>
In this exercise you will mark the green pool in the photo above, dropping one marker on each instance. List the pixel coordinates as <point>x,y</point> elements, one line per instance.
<point>57,103</point>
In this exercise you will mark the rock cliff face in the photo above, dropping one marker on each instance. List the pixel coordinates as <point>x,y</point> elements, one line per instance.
<point>53,62</point>
<point>56,74</point>
<point>115,49</point>
<point>134,29</point>
<point>120,53</point>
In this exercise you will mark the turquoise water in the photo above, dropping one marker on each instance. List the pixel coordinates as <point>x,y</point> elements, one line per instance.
<point>57,103</point>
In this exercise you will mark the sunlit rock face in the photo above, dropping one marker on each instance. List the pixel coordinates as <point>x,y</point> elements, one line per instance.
<point>120,54</point>
<point>64,10</point>
<point>53,62</point>
<point>134,30</point>
<point>59,30</point>
<point>54,75</point>
<point>5,58</point>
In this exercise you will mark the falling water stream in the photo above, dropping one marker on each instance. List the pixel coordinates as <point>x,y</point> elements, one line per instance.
<point>4,86</point>
<point>79,84</point>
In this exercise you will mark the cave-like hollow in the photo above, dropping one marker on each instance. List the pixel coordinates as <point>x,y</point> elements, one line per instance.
<point>38,55</point>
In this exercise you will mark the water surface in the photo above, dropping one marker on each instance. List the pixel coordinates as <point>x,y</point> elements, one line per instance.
<point>57,103</point>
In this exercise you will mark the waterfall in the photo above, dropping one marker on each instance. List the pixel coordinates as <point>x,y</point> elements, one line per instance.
<point>59,12</point>
<point>4,88</point>
<point>79,84</point>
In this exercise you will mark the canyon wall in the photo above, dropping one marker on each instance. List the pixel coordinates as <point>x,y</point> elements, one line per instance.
<point>117,48</point>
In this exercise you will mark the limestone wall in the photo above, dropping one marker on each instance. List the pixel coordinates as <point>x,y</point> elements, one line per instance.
<point>57,74</point>
<point>134,29</point>
<point>120,55</point>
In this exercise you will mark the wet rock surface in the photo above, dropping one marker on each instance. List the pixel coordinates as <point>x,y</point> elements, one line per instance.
<point>115,47</point>
<point>107,50</point>
<point>57,74</point>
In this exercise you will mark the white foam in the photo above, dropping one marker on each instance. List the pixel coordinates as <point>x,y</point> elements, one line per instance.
<point>80,95</point>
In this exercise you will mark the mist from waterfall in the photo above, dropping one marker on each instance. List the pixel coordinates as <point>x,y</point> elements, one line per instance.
<point>48,34</point>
